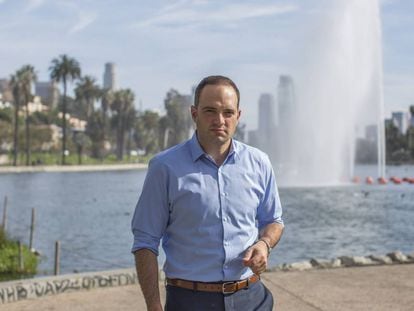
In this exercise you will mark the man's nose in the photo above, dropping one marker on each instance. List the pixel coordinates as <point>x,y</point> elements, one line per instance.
<point>219,118</point>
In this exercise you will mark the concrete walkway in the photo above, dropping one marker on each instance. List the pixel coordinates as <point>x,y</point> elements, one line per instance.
<point>378,288</point>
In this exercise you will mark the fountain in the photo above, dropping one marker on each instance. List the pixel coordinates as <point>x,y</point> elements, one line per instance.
<point>335,93</point>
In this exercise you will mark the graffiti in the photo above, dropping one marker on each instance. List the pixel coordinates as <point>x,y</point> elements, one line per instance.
<point>33,289</point>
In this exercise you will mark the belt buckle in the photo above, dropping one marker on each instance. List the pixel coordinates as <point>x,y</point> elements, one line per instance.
<point>223,288</point>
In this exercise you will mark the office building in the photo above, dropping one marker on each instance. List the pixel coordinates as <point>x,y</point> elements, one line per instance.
<point>401,120</point>
<point>109,81</point>
<point>48,91</point>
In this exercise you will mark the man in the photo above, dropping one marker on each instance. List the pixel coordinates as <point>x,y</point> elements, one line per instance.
<point>214,203</point>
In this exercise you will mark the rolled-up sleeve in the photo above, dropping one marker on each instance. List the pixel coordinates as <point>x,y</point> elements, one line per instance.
<point>151,212</point>
<point>270,208</point>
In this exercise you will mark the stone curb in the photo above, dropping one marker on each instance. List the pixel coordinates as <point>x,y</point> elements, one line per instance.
<point>71,168</point>
<point>396,257</point>
<point>13,291</point>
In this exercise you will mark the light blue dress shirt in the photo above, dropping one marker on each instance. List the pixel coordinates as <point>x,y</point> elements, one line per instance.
<point>207,216</point>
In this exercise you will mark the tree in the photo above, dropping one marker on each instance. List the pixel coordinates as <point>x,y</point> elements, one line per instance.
<point>178,121</point>
<point>27,76</point>
<point>87,93</point>
<point>6,128</point>
<point>80,140</point>
<point>122,106</point>
<point>107,98</point>
<point>147,131</point>
<point>95,131</point>
<point>64,69</point>
<point>396,143</point>
<point>17,90</point>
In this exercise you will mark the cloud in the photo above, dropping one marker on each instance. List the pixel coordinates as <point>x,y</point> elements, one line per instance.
<point>199,12</point>
<point>84,19</point>
<point>33,4</point>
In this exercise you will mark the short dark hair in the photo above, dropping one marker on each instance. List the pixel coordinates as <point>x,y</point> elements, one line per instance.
<point>215,80</point>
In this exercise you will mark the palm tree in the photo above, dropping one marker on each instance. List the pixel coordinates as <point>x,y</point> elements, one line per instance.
<point>88,92</point>
<point>107,98</point>
<point>17,90</point>
<point>64,69</point>
<point>27,76</point>
<point>123,107</point>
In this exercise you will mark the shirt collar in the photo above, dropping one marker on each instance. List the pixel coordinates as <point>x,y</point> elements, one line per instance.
<point>197,151</point>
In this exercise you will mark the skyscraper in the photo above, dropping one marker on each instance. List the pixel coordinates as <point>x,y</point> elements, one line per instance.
<point>266,132</point>
<point>266,114</point>
<point>287,114</point>
<point>286,100</point>
<point>109,77</point>
<point>48,92</point>
<point>401,120</point>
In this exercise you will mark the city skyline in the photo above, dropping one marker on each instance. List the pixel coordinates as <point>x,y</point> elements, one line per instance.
<point>158,45</point>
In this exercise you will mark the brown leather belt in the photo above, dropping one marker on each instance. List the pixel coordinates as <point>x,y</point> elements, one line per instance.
<point>224,287</point>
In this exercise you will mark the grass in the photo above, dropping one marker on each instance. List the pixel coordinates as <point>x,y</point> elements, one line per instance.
<point>9,259</point>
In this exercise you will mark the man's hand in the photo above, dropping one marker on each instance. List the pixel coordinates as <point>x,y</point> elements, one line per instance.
<point>147,271</point>
<point>256,257</point>
<point>156,307</point>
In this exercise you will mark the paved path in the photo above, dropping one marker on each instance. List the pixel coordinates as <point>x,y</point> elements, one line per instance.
<point>376,288</point>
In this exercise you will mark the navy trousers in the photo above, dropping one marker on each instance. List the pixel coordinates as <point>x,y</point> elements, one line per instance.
<point>255,298</point>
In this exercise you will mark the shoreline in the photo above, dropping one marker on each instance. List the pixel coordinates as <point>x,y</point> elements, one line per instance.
<point>380,288</point>
<point>34,288</point>
<point>72,168</point>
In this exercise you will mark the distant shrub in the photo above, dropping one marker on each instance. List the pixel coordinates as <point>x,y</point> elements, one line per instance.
<point>9,258</point>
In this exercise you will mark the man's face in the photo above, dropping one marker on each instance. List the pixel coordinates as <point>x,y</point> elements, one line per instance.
<point>216,115</point>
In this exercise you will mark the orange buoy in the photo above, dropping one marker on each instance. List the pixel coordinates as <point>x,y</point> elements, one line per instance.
<point>369,180</point>
<point>382,180</point>
<point>356,180</point>
<point>396,180</point>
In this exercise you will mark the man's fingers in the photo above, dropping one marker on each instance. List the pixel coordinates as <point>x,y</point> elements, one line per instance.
<point>247,256</point>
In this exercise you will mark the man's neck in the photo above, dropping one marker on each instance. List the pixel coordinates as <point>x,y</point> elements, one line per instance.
<point>217,152</point>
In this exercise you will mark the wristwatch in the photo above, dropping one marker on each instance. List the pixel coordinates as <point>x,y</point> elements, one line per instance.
<point>269,248</point>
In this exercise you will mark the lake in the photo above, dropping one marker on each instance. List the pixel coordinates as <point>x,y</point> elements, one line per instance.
<point>90,214</point>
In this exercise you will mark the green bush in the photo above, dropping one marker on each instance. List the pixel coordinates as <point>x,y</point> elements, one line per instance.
<point>9,258</point>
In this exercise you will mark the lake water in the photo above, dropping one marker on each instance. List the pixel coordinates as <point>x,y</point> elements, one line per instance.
<point>90,214</point>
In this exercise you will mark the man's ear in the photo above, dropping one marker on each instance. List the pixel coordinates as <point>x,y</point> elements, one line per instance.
<point>194,113</point>
<point>239,114</point>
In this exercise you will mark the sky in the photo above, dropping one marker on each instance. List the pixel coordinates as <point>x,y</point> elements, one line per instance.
<point>158,45</point>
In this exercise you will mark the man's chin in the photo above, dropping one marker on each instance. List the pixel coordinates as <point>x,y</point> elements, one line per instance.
<point>222,139</point>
